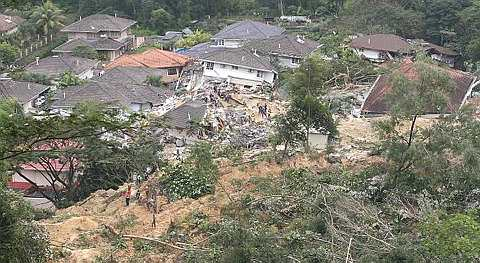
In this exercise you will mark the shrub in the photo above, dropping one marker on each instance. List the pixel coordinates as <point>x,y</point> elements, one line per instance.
<point>155,81</point>
<point>183,181</point>
<point>85,52</point>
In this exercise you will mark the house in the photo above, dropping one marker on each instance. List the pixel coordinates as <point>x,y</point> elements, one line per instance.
<point>171,64</point>
<point>376,103</point>
<point>9,24</point>
<point>235,35</point>
<point>26,94</point>
<point>286,50</point>
<point>296,19</point>
<point>109,49</point>
<point>436,52</point>
<point>238,66</point>
<point>109,35</point>
<point>182,117</point>
<point>55,66</point>
<point>380,47</point>
<point>126,96</point>
<point>99,26</point>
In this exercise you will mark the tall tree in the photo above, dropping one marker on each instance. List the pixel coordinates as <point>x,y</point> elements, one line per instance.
<point>48,17</point>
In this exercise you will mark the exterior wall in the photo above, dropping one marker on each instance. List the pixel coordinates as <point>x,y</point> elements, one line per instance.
<point>450,61</point>
<point>318,141</point>
<point>229,43</point>
<point>28,106</point>
<point>241,76</point>
<point>369,54</point>
<point>115,35</point>
<point>88,74</point>
<point>287,62</point>
<point>140,107</point>
<point>77,35</point>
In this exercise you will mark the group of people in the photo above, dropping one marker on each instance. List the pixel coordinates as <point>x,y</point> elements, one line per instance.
<point>263,111</point>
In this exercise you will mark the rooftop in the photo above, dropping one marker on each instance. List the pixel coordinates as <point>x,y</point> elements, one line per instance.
<point>182,116</point>
<point>152,58</point>
<point>20,91</point>
<point>99,23</point>
<point>294,46</point>
<point>100,44</point>
<point>113,94</point>
<point>382,42</point>
<point>376,101</point>
<point>8,23</point>
<point>239,57</point>
<point>248,30</point>
<point>55,66</point>
<point>132,75</point>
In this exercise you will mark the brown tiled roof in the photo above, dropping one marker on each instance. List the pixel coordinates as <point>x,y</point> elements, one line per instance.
<point>8,23</point>
<point>98,23</point>
<point>248,29</point>
<point>20,91</point>
<point>152,58</point>
<point>238,57</point>
<point>376,101</point>
<point>100,44</point>
<point>382,42</point>
<point>54,66</point>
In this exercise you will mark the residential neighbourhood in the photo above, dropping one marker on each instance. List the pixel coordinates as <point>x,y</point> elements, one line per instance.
<point>239,131</point>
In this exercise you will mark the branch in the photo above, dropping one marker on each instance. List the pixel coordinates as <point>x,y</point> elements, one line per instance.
<point>164,243</point>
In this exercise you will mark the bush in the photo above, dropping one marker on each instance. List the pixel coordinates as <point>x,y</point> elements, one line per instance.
<point>155,81</point>
<point>183,181</point>
<point>31,77</point>
<point>85,52</point>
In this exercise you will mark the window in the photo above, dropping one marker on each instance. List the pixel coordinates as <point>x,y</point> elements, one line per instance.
<point>250,70</point>
<point>91,35</point>
<point>259,74</point>
<point>220,42</point>
<point>295,61</point>
<point>172,71</point>
<point>234,67</point>
<point>209,65</point>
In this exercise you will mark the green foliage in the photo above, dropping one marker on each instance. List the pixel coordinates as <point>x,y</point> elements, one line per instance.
<point>48,17</point>
<point>161,20</point>
<point>199,36</point>
<point>8,53</point>
<point>85,52</point>
<point>454,238</point>
<point>22,239</point>
<point>193,178</point>
<point>155,81</point>
<point>31,77</point>
<point>69,79</point>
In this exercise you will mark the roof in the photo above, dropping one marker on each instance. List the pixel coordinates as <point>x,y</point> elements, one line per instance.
<point>55,66</point>
<point>247,30</point>
<point>292,46</point>
<point>182,116</point>
<point>20,91</point>
<point>98,23</point>
<point>114,94</point>
<point>8,23</point>
<point>382,42</point>
<point>239,57</point>
<point>132,75</point>
<point>376,101</point>
<point>152,58</point>
<point>100,44</point>
<point>437,49</point>
<point>201,50</point>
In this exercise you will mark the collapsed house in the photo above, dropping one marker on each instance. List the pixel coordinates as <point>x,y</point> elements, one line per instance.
<point>436,52</point>
<point>376,102</point>
<point>27,94</point>
<point>55,66</point>
<point>116,95</point>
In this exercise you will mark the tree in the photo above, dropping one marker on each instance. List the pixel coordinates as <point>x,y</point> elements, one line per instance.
<point>69,79</point>
<point>8,53</point>
<point>23,240</point>
<point>199,36</point>
<point>287,132</point>
<point>85,52</point>
<point>161,20</point>
<point>427,92</point>
<point>48,17</point>
<point>155,81</point>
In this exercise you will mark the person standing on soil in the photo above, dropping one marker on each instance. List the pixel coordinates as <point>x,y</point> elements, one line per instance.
<point>127,194</point>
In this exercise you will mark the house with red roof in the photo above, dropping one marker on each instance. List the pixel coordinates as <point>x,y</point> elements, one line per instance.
<point>377,104</point>
<point>169,63</point>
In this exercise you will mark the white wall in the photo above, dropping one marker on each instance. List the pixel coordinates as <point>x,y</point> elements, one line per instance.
<point>236,76</point>
<point>369,54</point>
<point>287,62</point>
<point>88,74</point>
<point>229,43</point>
<point>444,59</point>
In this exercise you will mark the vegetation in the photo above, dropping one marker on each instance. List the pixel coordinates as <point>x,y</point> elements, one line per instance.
<point>69,79</point>
<point>199,36</point>
<point>8,54</point>
<point>85,52</point>
<point>155,81</point>
<point>30,77</point>
<point>48,17</point>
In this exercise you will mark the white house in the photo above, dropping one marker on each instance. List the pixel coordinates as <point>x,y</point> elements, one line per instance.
<point>238,66</point>
<point>235,35</point>
<point>380,47</point>
<point>286,50</point>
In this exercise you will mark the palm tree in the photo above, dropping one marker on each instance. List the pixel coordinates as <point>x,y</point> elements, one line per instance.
<point>48,17</point>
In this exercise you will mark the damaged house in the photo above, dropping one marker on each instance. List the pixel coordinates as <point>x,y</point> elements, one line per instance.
<point>376,103</point>
<point>381,47</point>
<point>285,50</point>
<point>238,66</point>
<point>109,35</point>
